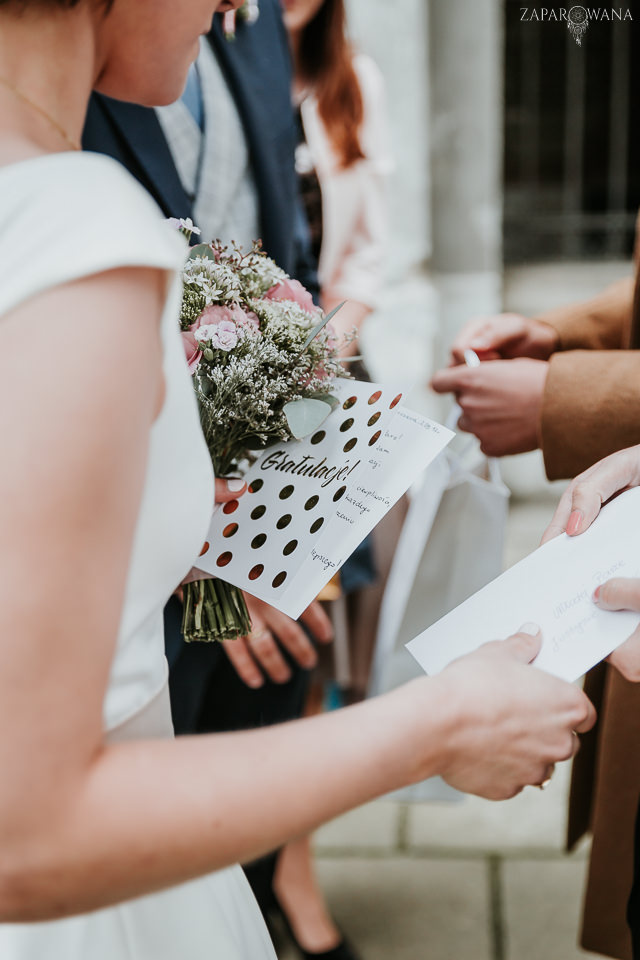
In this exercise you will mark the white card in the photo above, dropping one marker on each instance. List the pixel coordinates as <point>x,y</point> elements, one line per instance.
<point>553,588</point>
<point>312,501</point>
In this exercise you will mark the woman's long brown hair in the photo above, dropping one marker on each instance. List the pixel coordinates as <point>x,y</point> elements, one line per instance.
<point>325,63</point>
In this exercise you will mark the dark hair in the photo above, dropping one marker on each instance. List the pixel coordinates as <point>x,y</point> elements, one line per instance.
<point>326,63</point>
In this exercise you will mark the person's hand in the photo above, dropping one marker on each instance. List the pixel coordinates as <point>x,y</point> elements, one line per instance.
<point>505,336</point>
<point>230,489</point>
<point>511,722</point>
<point>623,593</point>
<point>259,653</point>
<point>581,502</point>
<point>578,508</point>
<point>225,490</point>
<point>501,402</point>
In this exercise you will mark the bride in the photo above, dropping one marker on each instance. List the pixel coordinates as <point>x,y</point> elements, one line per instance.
<point>116,837</point>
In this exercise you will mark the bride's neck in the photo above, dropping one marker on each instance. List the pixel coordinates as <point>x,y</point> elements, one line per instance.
<point>48,63</point>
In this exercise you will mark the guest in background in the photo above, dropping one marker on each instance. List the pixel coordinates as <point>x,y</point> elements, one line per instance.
<point>568,382</point>
<point>223,155</point>
<point>342,161</point>
<point>578,508</point>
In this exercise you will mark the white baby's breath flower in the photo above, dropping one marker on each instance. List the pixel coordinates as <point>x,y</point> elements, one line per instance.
<point>206,332</point>
<point>184,223</point>
<point>217,280</point>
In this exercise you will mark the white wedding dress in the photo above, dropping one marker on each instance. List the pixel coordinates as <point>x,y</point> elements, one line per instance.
<point>64,217</point>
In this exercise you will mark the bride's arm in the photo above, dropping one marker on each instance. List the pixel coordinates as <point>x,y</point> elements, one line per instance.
<point>82,824</point>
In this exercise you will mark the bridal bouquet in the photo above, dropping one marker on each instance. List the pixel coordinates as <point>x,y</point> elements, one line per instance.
<point>263,360</point>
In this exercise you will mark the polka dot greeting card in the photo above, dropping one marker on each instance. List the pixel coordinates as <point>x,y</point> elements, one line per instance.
<point>310,502</point>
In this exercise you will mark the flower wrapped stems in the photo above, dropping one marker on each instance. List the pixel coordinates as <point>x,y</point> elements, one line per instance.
<point>214,610</point>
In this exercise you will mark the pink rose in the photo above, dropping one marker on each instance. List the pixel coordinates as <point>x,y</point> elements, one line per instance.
<point>248,321</point>
<point>226,336</point>
<point>213,314</point>
<point>192,351</point>
<point>219,336</point>
<point>216,313</point>
<point>292,290</point>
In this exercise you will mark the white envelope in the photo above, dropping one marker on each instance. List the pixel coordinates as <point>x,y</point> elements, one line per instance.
<point>553,588</point>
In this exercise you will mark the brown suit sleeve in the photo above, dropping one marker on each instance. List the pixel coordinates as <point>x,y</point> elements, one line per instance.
<point>591,403</point>
<point>590,408</point>
<point>601,323</point>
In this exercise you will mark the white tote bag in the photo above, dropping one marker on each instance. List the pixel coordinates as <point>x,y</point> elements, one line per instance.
<point>451,545</point>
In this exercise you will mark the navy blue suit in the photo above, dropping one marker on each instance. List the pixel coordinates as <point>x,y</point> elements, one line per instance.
<point>206,694</point>
<point>258,70</point>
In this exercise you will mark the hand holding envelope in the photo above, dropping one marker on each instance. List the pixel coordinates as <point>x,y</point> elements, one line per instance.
<point>508,724</point>
<point>554,587</point>
<point>578,508</point>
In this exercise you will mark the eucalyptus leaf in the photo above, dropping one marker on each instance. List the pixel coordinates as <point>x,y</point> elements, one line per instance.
<point>305,415</point>
<point>202,250</point>
<point>320,326</point>
<point>327,398</point>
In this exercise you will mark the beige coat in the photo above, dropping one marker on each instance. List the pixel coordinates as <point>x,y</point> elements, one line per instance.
<point>591,408</point>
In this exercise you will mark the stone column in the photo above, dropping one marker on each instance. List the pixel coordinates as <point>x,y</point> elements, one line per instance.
<point>395,35</point>
<point>466,70</point>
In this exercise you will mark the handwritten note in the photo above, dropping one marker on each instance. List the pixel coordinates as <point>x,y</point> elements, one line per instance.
<point>553,588</point>
<point>406,447</point>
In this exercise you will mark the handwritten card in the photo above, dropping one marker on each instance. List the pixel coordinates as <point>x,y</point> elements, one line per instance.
<point>552,587</point>
<point>311,502</point>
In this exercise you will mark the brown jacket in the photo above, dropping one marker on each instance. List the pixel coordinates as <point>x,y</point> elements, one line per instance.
<point>591,408</point>
<point>591,404</point>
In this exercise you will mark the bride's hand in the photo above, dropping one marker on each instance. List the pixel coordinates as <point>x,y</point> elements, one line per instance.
<point>230,489</point>
<point>226,490</point>
<point>581,502</point>
<point>509,722</point>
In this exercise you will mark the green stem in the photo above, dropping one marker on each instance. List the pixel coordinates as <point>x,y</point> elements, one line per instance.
<point>214,610</point>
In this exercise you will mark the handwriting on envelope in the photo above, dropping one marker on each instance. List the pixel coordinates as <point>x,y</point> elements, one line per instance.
<point>553,588</point>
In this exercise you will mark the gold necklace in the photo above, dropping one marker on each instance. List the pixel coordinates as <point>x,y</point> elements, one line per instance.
<point>43,113</point>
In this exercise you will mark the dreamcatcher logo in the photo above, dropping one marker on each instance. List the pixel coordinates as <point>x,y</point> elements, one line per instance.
<point>578,21</point>
<point>577,17</point>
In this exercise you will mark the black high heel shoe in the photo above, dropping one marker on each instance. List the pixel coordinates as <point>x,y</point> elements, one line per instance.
<point>342,950</point>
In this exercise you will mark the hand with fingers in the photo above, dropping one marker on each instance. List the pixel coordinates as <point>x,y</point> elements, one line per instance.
<point>503,337</point>
<point>225,491</point>
<point>513,723</point>
<point>578,508</point>
<point>260,653</point>
<point>501,402</point>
